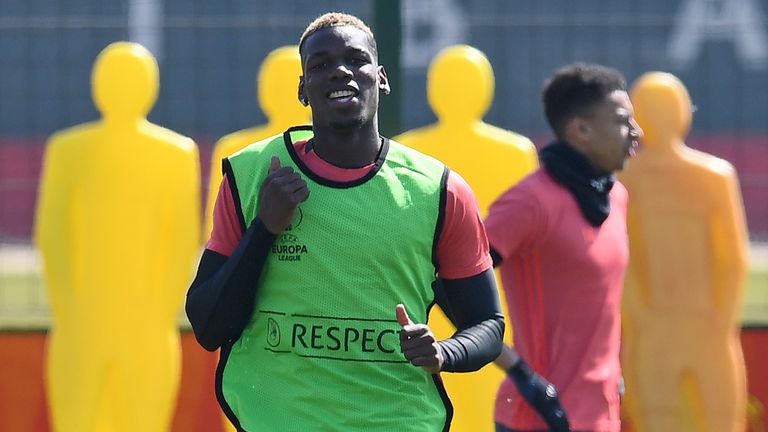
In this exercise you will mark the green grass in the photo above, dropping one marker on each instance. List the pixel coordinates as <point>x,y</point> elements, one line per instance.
<point>755,308</point>
<point>23,302</point>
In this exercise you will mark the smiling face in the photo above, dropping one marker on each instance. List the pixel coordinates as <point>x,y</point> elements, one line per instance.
<point>342,77</point>
<point>609,134</point>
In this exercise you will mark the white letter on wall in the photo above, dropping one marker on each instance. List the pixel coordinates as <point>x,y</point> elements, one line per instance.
<point>738,20</point>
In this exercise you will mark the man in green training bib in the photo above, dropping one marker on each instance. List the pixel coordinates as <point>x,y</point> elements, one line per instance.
<point>330,244</point>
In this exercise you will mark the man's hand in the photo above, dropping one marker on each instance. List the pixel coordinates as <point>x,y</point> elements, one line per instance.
<point>418,343</point>
<point>541,395</point>
<point>281,192</point>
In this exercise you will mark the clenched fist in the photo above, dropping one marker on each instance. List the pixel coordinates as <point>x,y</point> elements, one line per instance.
<point>281,192</point>
<point>418,343</point>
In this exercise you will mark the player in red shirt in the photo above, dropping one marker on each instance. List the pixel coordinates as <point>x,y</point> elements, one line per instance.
<point>560,239</point>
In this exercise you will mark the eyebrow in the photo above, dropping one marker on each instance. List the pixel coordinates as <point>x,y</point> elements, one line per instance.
<point>360,51</point>
<point>621,110</point>
<point>352,50</point>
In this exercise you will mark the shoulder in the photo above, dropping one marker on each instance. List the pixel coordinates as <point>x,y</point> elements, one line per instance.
<point>414,137</point>
<point>719,167</point>
<point>413,164</point>
<point>525,197</point>
<point>458,189</point>
<point>258,147</point>
<point>619,191</point>
<point>73,134</point>
<point>619,195</point>
<point>402,152</point>
<point>535,196</point>
<point>537,186</point>
<point>508,137</point>
<point>169,137</point>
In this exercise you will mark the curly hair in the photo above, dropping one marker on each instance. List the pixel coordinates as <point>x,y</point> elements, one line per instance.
<point>574,89</point>
<point>332,19</point>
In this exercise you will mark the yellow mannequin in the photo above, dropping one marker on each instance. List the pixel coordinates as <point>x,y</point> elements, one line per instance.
<point>460,87</point>
<point>118,227</point>
<point>276,85</point>
<point>688,245</point>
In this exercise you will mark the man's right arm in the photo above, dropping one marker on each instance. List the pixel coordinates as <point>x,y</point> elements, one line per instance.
<point>222,297</point>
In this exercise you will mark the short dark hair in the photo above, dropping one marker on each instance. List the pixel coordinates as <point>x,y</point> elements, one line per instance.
<point>332,19</point>
<point>574,89</point>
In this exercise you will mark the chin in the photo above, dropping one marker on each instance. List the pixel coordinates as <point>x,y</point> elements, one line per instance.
<point>351,123</point>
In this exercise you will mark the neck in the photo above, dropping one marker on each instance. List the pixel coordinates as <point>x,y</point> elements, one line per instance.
<point>666,146</point>
<point>122,122</point>
<point>582,158</point>
<point>348,148</point>
<point>459,121</point>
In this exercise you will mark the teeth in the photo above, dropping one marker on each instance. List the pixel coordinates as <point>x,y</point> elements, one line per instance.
<point>341,94</point>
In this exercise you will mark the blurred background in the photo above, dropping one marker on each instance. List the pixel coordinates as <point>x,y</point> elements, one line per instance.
<point>210,52</point>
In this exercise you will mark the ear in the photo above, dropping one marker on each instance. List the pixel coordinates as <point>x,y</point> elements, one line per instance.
<point>383,80</point>
<point>577,130</point>
<point>302,94</point>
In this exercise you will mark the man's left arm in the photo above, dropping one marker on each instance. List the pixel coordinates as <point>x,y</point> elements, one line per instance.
<point>465,290</point>
<point>472,305</point>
